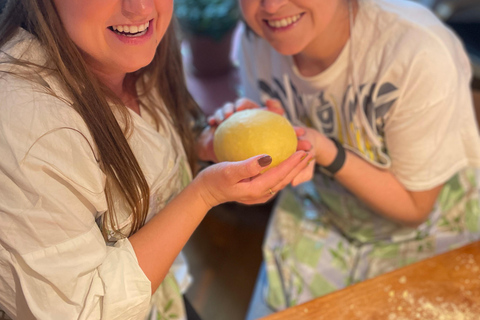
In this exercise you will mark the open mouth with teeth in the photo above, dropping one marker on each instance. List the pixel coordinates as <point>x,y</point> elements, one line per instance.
<point>131,31</point>
<point>283,23</point>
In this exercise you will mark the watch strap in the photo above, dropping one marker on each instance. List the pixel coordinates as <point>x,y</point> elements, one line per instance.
<point>339,160</point>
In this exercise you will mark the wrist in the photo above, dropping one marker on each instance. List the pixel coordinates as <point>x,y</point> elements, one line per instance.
<point>326,151</point>
<point>200,188</point>
<point>335,159</point>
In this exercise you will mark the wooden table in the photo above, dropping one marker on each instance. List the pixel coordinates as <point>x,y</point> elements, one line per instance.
<point>445,287</point>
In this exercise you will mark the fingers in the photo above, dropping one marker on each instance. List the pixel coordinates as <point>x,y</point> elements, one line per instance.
<point>278,177</point>
<point>221,114</point>
<point>299,131</point>
<point>204,145</point>
<point>287,179</point>
<point>242,182</point>
<point>244,103</point>
<point>303,137</point>
<point>304,145</point>
<point>250,168</point>
<point>304,175</point>
<point>275,106</point>
<point>229,108</point>
<point>248,171</point>
<point>212,120</point>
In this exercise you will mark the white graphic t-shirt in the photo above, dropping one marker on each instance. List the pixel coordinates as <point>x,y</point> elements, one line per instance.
<point>398,96</point>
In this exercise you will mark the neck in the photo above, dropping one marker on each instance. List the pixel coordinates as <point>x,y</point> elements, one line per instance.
<point>322,52</point>
<point>124,88</point>
<point>121,85</point>
<point>114,83</point>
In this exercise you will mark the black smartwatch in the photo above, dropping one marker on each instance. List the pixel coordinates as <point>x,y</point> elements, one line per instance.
<point>337,163</point>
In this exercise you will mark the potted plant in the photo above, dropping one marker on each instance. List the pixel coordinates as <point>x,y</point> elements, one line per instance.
<point>208,27</point>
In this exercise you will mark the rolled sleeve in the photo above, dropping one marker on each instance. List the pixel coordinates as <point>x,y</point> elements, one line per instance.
<point>82,279</point>
<point>128,290</point>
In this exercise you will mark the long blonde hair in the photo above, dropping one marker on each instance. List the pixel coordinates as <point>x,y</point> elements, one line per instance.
<point>92,100</point>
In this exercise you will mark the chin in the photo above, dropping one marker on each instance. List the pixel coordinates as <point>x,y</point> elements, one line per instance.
<point>135,64</point>
<point>287,50</point>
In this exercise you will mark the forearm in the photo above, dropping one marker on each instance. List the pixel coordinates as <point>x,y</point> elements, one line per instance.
<point>382,192</point>
<point>158,243</point>
<point>378,188</point>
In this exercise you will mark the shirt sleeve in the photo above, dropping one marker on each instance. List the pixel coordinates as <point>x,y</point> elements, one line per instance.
<point>432,133</point>
<point>54,262</point>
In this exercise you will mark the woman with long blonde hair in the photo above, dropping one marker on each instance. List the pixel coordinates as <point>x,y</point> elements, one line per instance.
<point>98,141</point>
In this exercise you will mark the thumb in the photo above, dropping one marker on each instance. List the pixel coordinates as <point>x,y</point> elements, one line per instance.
<point>251,167</point>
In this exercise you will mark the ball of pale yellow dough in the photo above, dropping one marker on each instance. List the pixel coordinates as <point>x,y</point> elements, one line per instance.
<point>251,132</point>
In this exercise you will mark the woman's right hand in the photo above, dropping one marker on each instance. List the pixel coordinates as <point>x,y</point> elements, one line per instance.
<point>243,182</point>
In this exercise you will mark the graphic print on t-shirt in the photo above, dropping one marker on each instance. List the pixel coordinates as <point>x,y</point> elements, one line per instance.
<point>338,116</point>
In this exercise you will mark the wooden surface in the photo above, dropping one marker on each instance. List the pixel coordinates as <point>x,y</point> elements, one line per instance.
<point>445,287</point>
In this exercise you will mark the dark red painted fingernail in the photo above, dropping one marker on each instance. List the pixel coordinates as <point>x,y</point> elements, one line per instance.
<point>264,161</point>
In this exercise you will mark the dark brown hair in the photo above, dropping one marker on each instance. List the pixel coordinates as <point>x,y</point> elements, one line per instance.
<point>93,100</point>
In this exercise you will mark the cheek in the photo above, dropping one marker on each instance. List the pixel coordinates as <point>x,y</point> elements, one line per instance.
<point>249,10</point>
<point>164,9</point>
<point>164,17</point>
<point>80,21</point>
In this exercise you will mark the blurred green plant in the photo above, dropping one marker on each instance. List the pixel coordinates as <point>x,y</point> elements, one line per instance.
<point>208,18</point>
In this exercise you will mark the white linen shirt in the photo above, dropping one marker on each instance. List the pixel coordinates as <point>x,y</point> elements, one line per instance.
<point>54,262</point>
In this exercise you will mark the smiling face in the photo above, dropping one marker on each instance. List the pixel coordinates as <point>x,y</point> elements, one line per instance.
<point>292,26</point>
<point>116,36</point>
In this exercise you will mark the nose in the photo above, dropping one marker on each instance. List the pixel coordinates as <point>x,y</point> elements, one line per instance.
<point>271,6</point>
<point>137,9</point>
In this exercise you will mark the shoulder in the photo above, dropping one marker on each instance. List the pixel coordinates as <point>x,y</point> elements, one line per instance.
<point>32,104</point>
<point>23,46</point>
<point>31,111</point>
<point>409,42</point>
<point>45,143</point>
<point>409,30</point>
<point>402,12</point>
<point>42,136</point>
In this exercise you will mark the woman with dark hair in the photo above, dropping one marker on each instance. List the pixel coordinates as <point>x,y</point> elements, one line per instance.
<point>98,139</point>
<point>382,91</point>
